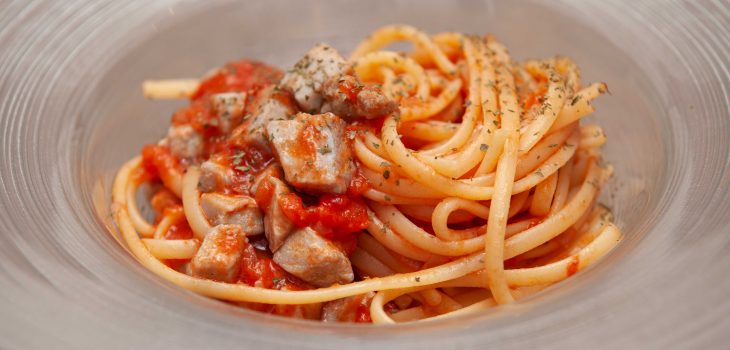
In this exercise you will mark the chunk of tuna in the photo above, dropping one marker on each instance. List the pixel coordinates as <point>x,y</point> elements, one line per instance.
<point>184,142</point>
<point>307,255</point>
<point>273,104</point>
<point>233,210</point>
<point>347,97</point>
<point>229,107</point>
<point>346,309</point>
<point>273,169</point>
<point>277,226</point>
<point>219,256</point>
<point>213,176</point>
<point>306,78</point>
<point>312,152</point>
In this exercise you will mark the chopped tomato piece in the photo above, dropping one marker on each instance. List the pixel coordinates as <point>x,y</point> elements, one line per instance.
<point>350,88</point>
<point>179,230</point>
<point>259,269</point>
<point>164,199</point>
<point>358,184</point>
<point>158,161</point>
<point>242,75</point>
<point>362,314</point>
<point>335,216</point>
<point>175,264</point>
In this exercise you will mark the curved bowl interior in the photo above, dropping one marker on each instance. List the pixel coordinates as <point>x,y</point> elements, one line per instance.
<point>117,120</point>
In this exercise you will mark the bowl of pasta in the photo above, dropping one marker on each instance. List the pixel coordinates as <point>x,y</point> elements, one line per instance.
<point>392,173</point>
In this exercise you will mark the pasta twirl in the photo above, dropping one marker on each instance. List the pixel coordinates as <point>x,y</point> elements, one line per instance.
<point>387,187</point>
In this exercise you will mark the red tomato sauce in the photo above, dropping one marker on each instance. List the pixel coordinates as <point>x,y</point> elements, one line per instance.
<point>358,184</point>
<point>199,114</point>
<point>244,75</point>
<point>164,200</point>
<point>257,267</point>
<point>157,161</point>
<point>350,89</point>
<point>362,314</point>
<point>514,263</point>
<point>179,230</point>
<point>573,266</point>
<point>245,164</point>
<point>241,76</point>
<point>335,216</point>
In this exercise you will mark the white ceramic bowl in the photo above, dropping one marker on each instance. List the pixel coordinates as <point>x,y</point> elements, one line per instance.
<point>71,111</point>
